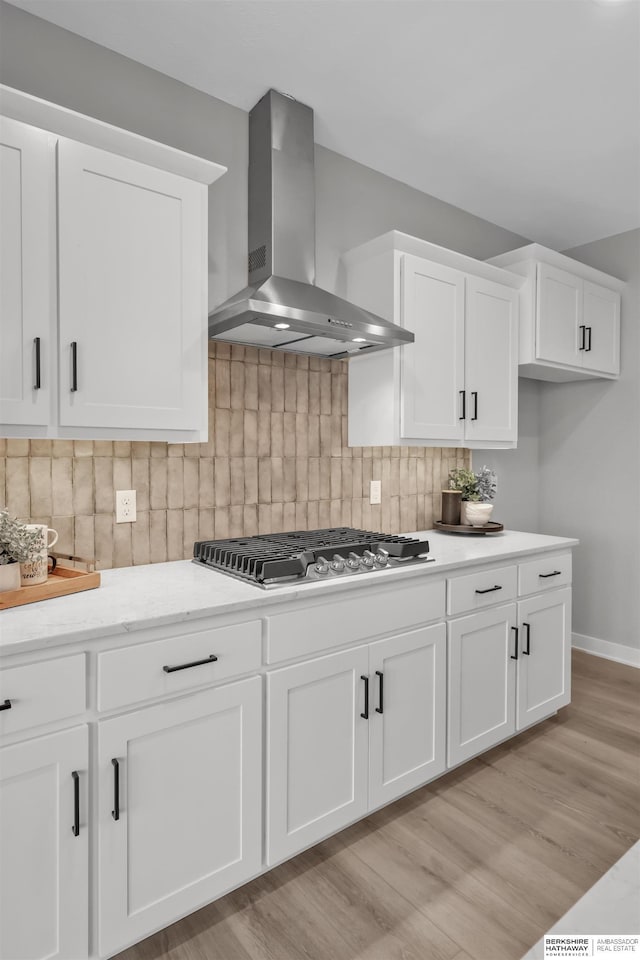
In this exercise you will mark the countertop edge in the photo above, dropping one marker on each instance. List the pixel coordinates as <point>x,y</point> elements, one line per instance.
<point>266,598</point>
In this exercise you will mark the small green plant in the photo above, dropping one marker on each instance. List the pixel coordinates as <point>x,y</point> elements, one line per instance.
<point>487,484</point>
<point>479,487</point>
<point>18,544</point>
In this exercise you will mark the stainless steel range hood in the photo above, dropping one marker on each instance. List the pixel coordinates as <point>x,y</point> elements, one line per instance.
<point>282,308</point>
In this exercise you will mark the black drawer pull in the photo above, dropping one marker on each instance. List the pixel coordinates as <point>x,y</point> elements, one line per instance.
<point>37,383</point>
<point>556,573</point>
<point>490,589</point>
<point>582,330</point>
<point>588,349</point>
<point>464,405</point>
<point>74,366</point>
<point>115,813</point>
<point>76,803</point>
<point>515,629</point>
<point>365,715</point>
<point>380,708</point>
<point>474,394</point>
<point>6,705</point>
<point>527,651</point>
<point>187,666</point>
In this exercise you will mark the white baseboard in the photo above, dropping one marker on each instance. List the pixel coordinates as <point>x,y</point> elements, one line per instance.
<point>604,648</point>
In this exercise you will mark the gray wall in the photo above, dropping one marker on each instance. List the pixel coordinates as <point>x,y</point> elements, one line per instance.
<point>590,466</point>
<point>517,503</point>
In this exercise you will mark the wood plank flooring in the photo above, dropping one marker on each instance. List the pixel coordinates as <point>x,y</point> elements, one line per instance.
<point>476,866</point>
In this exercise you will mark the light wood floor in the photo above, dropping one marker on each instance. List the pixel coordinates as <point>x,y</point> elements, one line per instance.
<point>476,866</point>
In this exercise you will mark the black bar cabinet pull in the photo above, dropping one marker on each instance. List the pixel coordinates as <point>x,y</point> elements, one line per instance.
<point>474,394</point>
<point>587,349</point>
<point>380,708</point>
<point>186,666</point>
<point>6,705</point>
<point>74,366</point>
<point>556,573</point>
<point>464,405</point>
<point>515,657</point>
<point>490,589</point>
<point>115,813</point>
<point>582,330</point>
<point>527,651</point>
<point>365,715</point>
<point>37,383</point>
<point>76,803</point>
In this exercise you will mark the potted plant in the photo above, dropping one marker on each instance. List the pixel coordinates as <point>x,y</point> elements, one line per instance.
<point>477,490</point>
<point>18,544</point>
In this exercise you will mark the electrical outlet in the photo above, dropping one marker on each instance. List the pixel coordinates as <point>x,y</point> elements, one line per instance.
<point>125,506</point>
<point>375,491</point>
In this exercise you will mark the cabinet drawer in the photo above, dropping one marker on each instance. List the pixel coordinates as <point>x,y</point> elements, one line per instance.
<point>132,674</point>
<point>42,692</point>
<point>481,589</point>
<point>544,573</point>
<point>337,621</point>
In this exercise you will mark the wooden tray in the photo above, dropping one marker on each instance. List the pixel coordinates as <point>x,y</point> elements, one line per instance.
<point>491,527</point>
<point>63,580</point>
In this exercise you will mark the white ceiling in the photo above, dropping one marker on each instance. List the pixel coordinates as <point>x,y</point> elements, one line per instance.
<point>525,112</point>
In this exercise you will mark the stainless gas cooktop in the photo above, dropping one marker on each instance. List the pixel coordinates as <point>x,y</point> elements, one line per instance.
<point>268,560</point>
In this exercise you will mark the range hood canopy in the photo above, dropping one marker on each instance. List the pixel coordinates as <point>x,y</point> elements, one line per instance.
<point>282,308</point>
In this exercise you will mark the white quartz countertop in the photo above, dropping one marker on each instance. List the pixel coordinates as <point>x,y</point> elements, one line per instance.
<point>134,598</point>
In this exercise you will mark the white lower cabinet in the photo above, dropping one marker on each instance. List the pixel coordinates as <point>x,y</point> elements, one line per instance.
<point>508,668</point>
<point>44,847</point>
<point>407,744</point>
<point>482,689</point>
<point>180,805</point>
<point>544,664</point>
<point>350,731</point>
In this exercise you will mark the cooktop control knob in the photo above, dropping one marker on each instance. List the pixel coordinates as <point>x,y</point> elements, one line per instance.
<point>382,558</point>
<point>354,561</point>
<point>368,559</point>
<point>322,566</point>
<point>337,563</point>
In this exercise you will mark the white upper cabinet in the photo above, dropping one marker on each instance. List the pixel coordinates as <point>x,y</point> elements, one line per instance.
<point>104,280</point>
<point>130,290</point>
<point>569,317</point>
<point>457,384</point>
<point>26,208</point>
<point>432,370</point>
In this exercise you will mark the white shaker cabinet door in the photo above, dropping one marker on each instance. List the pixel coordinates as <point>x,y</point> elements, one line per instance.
<point>432,368</point>
<point>558,315</point>
<point>179,810</point>
<point>44,847</point>
<point>317,742</point>
<point>27,232</point>
<point>601,319</point>
<point>482,681</point>
<point>544,666</point>
<point>408,719</point>
<point>132,314</point>
<point>491,361</point>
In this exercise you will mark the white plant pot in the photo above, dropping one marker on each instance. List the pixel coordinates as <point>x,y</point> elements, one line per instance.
<point>9,577</point>
<point>474,514</point>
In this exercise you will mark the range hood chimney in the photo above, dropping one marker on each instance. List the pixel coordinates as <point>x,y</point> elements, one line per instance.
<point>282,308</point>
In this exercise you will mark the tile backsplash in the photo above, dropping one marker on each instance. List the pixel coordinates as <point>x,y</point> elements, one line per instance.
<point>277,459</point>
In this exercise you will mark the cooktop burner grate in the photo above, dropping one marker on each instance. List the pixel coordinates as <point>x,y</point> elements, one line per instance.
<point>269,559</point>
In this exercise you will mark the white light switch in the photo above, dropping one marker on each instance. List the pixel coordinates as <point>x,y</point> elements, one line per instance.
<point>375,491</point>
<point>125,506</point>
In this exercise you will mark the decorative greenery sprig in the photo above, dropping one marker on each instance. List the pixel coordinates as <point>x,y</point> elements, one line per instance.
<point>18,544</point>
<point>478,487</point>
